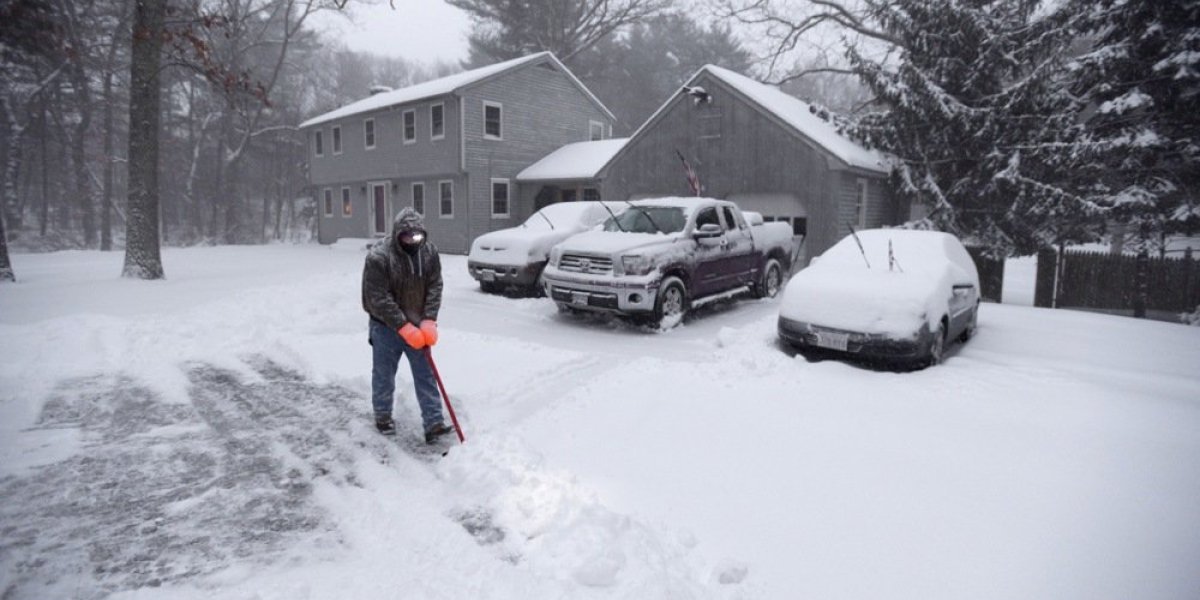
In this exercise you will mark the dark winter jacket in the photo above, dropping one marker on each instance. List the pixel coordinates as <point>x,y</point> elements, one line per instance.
<point>400,287</point>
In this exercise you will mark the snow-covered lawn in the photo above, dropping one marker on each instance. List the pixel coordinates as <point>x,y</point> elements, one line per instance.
<point>209,436</point>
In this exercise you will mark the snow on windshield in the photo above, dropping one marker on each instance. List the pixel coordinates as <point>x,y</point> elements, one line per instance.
<point>564,215</point>
<point>649,219</point>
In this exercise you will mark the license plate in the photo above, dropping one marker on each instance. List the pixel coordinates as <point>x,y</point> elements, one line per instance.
<point>833,341</point>
<point>578,298</point>
<point>487,275</point>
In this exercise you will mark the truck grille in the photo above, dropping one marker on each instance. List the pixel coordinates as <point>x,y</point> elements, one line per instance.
<point>585,264</point>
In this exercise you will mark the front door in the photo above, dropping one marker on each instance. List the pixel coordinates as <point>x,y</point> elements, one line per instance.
<point>379,208</point>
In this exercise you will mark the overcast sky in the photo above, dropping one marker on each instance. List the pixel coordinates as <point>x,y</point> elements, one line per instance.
<point>420,30</point>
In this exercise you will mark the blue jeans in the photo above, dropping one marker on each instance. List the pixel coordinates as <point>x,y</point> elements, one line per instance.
<point>387,348</point>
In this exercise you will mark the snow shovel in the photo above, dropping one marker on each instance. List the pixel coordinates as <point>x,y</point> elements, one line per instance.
<point>445,396</point>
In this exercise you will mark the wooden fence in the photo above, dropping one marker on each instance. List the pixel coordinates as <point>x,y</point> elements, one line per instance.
<point>1096,280</point>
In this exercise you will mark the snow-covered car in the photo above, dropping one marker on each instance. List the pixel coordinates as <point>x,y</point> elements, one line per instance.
<point>663,256</point>
<point>517,255</point>
<point>889,293</point>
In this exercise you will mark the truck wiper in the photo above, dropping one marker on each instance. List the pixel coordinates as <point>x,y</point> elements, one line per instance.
<point>614,215</point>
<point>547,219</point>
<point>646,214</point>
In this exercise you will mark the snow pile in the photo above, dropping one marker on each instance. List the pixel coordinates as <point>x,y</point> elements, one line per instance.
<point>581,160</point>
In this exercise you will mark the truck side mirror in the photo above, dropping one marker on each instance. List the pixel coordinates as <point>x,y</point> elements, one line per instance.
<point>708,230</point>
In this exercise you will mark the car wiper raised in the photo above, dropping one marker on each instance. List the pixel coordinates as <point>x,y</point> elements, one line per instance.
<point>646,214</point>
<point>614,216</point>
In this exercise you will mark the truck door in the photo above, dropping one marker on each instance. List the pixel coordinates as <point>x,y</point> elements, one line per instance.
<point>743,256</point>
<point>711,256</point>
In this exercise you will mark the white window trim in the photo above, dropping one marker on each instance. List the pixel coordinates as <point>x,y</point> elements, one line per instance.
<point>412,196</point>
<point>318,149</point>
<point>336,140</point>
<point>433,137</point>
<point>347,194</point>
<point>592,124</point>
<point>442,215</point>
<point>404,126</point>
<point>371,185</point>
<point>486,105</point>
<point>327,207</point>
<point>374,134</point>
<point>861,199</point>
<point>492,197</point>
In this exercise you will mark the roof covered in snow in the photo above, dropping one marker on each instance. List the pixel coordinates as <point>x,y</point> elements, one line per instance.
<point>796,114</point>
<point>581,160</point>
<point>446,85</point>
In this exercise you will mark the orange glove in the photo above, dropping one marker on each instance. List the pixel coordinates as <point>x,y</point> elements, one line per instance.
<point>412,336</point>
<point>429,328</point>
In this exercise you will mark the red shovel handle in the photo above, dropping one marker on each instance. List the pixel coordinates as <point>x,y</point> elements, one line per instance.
<point>445,396</point>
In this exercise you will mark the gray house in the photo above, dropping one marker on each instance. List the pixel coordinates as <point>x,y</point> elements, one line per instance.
<point>451,148</point>
<point>751,143</point>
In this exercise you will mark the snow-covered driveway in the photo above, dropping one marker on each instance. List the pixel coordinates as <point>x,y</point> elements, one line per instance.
<point>209,436</point>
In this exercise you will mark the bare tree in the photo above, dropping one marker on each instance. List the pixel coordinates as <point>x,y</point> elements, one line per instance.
<point>143,258</point>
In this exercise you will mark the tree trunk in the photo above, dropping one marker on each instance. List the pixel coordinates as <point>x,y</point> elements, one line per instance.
<point>44,214</point>
<point>143,259</point>
<point>12,167</point>
<point>106,207</point>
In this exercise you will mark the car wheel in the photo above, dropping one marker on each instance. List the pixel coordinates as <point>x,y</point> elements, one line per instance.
<point>969,331</point>
<point>937,346</point>
<point>772,279</point>
<point>671,304</point>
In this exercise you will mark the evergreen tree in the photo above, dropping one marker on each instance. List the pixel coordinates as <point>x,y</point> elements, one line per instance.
<point>979,120</point>
<point>1141,82</point>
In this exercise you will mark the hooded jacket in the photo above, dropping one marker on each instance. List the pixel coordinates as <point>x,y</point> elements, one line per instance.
<point>399,287</point>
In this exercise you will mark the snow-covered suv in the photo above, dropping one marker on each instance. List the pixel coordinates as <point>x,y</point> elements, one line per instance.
<point>662,256</point>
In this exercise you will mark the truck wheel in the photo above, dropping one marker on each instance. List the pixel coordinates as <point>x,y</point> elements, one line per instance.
<point>772,280</point>
<point>671,304</point>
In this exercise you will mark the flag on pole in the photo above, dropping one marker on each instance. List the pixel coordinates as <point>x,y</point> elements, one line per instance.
<point>692,179</point>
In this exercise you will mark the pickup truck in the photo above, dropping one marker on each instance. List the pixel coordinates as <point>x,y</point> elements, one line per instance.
<point>661,257</point>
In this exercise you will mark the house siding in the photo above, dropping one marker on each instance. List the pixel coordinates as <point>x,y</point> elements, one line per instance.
<point>542,111</point>
<point>736,149</point>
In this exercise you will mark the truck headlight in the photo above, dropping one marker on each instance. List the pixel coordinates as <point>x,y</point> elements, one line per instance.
<point>637,265</point>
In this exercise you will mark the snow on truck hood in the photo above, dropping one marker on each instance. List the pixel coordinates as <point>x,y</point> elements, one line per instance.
<point>611,242</point>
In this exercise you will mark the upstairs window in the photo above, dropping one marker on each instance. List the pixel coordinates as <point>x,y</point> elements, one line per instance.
<point>499,197</point>
<point>418,197</point>
<point>437,121</point>
<point>493,114</point>
<point>595,130</point>
<point>337,140</point>
<point>318,143</point>
<point>410,126</point>
<point>369,133</point>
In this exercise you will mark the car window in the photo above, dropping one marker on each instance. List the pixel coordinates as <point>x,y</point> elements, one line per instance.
<point>731,221</point>
<point>707,216</point>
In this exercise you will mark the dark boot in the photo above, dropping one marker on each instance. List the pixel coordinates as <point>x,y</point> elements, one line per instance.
<point>435,432</point>
<point>385,424</point>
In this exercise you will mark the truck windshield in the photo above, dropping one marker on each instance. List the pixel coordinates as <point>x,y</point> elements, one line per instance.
<point>642,219</point>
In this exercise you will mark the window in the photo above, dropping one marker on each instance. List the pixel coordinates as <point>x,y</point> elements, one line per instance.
<point>328,202</point>
<point>318,143</point>
<point>569,195</point>
<point>707,216</point>
<point>437,121</point>
<point>410,126</point>
<point>499,197</point>
<point>860,205</point>
<point>347,207</point>
<point>710,126</point>
<point>418,197</point>
<point>337,140</point>
<point>446,199</point>
<point>595,130</point>
<point>369,133</point>
<point>492,116</point>
<point>731,221</point>
<point>591,194</point>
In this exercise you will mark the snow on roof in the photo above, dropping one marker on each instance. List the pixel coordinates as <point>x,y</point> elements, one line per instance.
<point>580,160</point>
<point>421,91</point>
<point>796,113</point>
